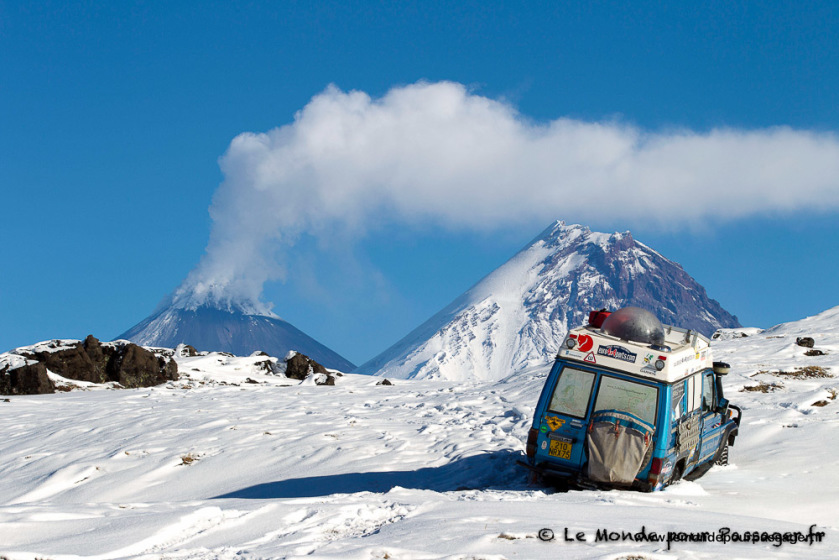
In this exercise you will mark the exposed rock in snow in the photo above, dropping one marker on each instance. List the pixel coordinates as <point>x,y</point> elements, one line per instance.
<point>185,350</point>
<point>24,377</point>
<point>299,366</point>
<point>88,361</point>
<point>742,332</point>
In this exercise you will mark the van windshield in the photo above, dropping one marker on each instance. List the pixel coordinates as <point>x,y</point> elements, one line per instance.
<point>572,392</point>
<point>627,396</point>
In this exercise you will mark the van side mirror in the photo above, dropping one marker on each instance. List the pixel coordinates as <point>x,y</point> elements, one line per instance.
<point>721,368</point>
<point>722,407</point>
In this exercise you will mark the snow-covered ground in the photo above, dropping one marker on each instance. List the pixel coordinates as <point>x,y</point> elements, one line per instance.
<point>215,466</point>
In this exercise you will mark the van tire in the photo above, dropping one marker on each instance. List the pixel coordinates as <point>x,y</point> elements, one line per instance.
<point>722,456</point>
<point>677,472</point>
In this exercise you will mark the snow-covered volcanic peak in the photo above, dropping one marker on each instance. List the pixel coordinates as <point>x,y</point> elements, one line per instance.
<point>240,327</point>
<point>193,295</point>
<point>517,316</point>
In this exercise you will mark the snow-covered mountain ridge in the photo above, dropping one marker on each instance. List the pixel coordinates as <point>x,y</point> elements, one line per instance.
<point>229,329</point>
<point>516,316</point>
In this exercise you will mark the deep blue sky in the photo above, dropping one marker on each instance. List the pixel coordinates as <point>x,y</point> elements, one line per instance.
<point>113,117</point>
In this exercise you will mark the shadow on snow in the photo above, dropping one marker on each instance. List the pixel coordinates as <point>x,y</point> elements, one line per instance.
<point>495,470</point>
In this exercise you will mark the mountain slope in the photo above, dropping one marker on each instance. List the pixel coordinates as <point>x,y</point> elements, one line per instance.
<point>230,330</point>
<point>517,315</point>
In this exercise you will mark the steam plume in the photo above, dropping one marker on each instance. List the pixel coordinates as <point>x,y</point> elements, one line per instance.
<point>436,153</point>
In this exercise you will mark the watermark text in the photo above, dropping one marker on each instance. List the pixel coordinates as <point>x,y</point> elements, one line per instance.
<point>723,535</point>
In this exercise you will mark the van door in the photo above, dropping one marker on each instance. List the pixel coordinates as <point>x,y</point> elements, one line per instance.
<point>690,424</point>
<point>711,419</point>
<point>621,429</point>
<point>563,425</point>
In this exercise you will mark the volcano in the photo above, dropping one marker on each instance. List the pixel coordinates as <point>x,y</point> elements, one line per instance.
<point>517,316</point>
<point>234,329</point>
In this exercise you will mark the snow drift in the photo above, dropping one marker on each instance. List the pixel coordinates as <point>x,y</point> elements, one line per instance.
<point>217,466</point>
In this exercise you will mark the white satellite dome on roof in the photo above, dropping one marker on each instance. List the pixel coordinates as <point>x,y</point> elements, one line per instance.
<point>635,324</point>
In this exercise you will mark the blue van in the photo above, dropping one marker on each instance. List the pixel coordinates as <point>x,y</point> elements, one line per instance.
<point>631,403</point>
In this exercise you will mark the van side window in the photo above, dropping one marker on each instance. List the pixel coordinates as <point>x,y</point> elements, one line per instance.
<point>572,392</point>
<point>676,400</point>
<point>708,392</point>
<point>694,393</point>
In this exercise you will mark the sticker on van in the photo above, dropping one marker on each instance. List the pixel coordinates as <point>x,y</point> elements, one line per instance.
<point>617,352</point>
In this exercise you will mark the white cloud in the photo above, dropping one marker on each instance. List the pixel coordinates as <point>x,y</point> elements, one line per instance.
<point>434,152</point>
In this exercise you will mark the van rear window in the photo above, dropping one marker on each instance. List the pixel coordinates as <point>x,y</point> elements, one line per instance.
<point>627,396</point>
<point>572,392</point>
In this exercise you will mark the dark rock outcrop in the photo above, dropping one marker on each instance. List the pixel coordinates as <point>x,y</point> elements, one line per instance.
<point>123,362</point>
<point>299,366</point>
<point>805,341</point>
<point>265,367</point>
<point>134,366</point>
<point>185,351</point>
<point>82,361</point>
<point>29,379</point>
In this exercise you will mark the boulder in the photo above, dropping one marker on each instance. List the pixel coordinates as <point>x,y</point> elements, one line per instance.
<point>265,367</point>
<point>805,341</point>
<point>93,349</point>
<point>28,379</point>
<point>299,366</point>
<point>185,351</point>
<point>134,366</point>
<point>324,379</point>
<point>89,360</point>
<point>82,361</point>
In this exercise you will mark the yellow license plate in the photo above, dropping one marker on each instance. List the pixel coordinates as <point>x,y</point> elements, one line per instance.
<point>561,449</point>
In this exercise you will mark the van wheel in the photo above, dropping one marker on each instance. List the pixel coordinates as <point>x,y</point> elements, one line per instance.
<point>722,456</point>
<point>677,473</point>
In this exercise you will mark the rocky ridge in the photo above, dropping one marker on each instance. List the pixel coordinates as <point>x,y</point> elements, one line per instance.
<point>63,365</point>
<point>25,370</point>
